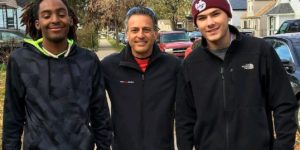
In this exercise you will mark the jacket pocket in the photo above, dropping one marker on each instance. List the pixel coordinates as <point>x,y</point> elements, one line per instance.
<point>250,129</point>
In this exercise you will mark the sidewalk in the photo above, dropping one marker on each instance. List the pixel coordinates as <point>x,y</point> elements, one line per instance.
<point>105,48</point>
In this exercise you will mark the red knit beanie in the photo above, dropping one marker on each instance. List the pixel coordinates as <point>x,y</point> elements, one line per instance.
<point>199,6</point>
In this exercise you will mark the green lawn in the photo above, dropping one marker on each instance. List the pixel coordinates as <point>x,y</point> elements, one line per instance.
<point>2,88</point>
<point>114,44</point>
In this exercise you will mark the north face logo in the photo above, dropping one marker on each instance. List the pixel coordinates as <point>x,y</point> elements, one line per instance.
<point>248,66</point>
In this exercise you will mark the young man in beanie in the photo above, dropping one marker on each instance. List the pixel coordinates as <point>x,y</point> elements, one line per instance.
<point>231,88</point>
<point>141,83</point>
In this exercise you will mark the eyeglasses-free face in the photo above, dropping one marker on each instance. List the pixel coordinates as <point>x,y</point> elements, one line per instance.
<point>141,35</point>
<point>53,20</point>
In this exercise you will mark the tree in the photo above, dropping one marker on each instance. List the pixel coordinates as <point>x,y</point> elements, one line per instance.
<point>110,12</point>
<point>174,10</point>
<point>79,7</point>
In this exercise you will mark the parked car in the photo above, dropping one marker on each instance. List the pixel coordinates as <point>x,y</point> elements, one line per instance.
<point>174,42</point>
<point>195,44</point>
<point>287,46</point>
<point>194,35</point>
<point>289,26</point>
<point>8,36</point>
<point>9,40</point>
<point>247,33</point>
<point>122,38</point>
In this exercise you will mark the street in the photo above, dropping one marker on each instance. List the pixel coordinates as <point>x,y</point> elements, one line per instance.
<point>105,48</point>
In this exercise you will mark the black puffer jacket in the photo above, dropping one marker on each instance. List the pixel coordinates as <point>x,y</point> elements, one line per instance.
<point>142,102</point>
<point>60,102</point>
<point>228,105</point>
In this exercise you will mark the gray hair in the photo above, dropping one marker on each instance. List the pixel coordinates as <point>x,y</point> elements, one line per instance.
<point>138,10</point>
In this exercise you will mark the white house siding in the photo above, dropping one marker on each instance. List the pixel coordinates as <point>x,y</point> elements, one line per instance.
<point>2,25</point>
<point>263,30</point>
<point>296,5</point>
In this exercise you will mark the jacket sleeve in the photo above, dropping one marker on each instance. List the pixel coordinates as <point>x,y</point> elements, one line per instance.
<point>14,108</point>
<point>281,100</point>
<point>100,118</point>
<point>185,113</point>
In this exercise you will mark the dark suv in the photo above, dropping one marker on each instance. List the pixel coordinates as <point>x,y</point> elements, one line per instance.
<point>174,42</point>
<point>289,26</point>
<point>287,46</point>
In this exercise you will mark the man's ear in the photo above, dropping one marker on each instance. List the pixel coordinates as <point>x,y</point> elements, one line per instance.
<point>37,25</point>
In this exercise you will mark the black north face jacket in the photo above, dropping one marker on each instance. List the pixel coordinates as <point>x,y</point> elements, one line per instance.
<point>142,102</point>
<point>230,104</point>
<point>60,102</point>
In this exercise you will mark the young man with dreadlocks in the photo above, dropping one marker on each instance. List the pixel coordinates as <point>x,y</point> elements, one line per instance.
<point>54,88</point>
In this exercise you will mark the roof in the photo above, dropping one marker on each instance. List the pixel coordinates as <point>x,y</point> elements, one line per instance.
<point>9,3</point>
<point>261,11</point>
<point>238,4</point>
<point>282,8</point>
<point>22,3</point>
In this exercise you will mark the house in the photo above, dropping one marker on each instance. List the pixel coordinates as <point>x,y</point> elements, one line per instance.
<point>238,8</point>
<point>255,19</point>
<point>8,14</point>
<point>164,25</point>
<point>284,10</point>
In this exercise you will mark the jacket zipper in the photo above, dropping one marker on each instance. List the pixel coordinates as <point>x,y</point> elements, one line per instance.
<point>142,112</point>
<point>225,103</point>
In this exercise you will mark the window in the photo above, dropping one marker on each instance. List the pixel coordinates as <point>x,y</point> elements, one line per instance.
<point>294,27</point>
<point>283,27</point>
<point>283,51</point>
<point>174,37</point>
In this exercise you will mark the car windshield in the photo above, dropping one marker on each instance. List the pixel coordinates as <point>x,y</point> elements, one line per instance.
<point>174,37</point>
<point>195,34</point>
<point>283,27</point>
<point>283,51</point>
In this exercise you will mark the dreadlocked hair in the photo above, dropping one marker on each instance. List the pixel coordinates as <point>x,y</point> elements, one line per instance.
<point>30,15</point>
